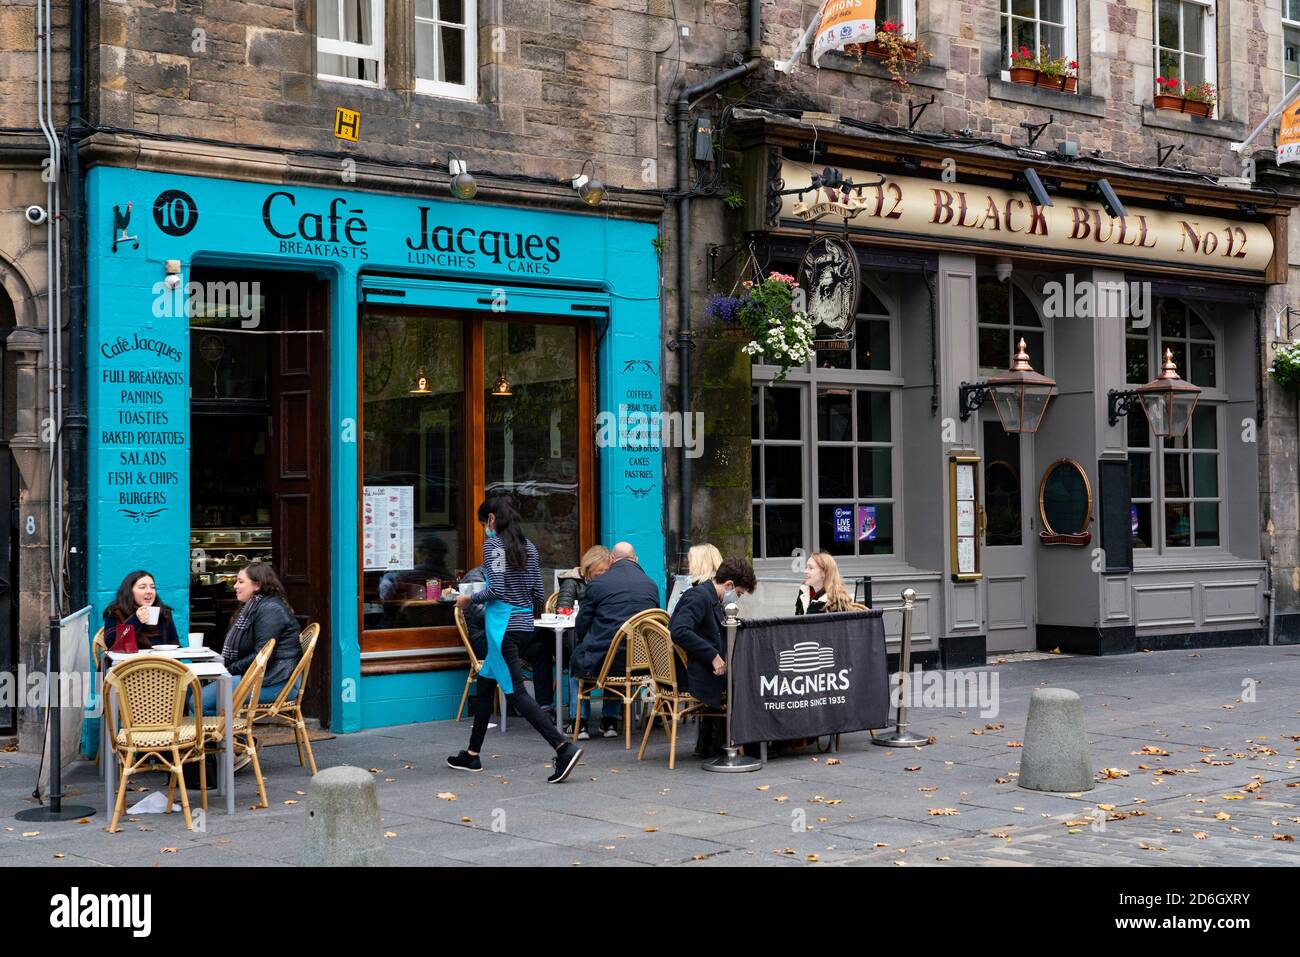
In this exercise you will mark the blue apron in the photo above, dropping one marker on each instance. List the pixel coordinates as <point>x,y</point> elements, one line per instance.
<point>496,622</point>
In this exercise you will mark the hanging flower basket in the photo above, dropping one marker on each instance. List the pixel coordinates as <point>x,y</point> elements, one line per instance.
<point>1285,368</point>
<point>765,316</point>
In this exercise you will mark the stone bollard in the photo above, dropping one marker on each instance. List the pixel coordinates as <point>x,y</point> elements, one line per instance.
<point>343,827</point>
<point>1055,752</point>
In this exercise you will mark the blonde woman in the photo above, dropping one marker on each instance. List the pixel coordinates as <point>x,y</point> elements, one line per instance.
<point>823,588</point>
<point>701,563</point>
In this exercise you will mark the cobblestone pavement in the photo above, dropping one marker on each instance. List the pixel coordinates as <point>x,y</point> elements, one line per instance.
<point>1226,792</point>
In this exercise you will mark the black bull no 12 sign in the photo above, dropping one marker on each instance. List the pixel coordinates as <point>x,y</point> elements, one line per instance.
<point>808,676</point>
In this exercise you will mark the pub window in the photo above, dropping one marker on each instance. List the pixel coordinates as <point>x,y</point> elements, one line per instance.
<point>1290,43</point>
<point>1005,317</point>
<point>1040,26</point>
<point>1176,483</point>
<point>824,467</point>
<point>350,41</point>
<point>446,48</point>
<point>1185,46</point>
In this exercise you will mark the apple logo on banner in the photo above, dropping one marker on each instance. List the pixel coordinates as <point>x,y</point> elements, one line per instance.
<point>175,212</point>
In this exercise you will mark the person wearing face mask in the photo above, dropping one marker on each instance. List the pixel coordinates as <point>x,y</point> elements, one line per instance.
<point>697,628</point>
<point>137,604</point>
<point>514,586</point>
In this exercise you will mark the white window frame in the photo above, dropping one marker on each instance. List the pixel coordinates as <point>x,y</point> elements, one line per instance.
<point>1210,42</point>
<point>1070,18</point>
<point>1290,24</point>
<point>1215,398</point>
<point>357,51</point>
<point>807,380</point>
<point>456,91</point>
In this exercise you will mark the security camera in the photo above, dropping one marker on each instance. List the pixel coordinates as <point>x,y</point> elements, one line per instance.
<point>1003,269</point>
<point>36,215</point>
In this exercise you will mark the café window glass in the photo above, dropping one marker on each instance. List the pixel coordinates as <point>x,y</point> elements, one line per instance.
<point>824,467</point>
<point>350,41</point>
<point>1185,41</point>
<point>446,48</point>
<point>1177,499</point>
<point>1038,25</point>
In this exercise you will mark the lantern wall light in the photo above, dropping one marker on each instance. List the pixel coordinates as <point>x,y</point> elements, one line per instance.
<point>1167,400</point>
<point>463,184</point>
<point>1020,395</point>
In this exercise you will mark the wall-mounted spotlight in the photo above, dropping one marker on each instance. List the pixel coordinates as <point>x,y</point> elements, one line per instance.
<point>1110,200</point>
<point>590,189</point>
<point>172,280</point>
<point>463,185</point>
<point>1034,186</point>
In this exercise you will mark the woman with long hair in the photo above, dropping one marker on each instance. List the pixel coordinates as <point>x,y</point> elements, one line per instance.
<point>514,586</point>
<point>823,589</point>
<point>137,604</point>
<point>264,614</point>
<point>701,562</point>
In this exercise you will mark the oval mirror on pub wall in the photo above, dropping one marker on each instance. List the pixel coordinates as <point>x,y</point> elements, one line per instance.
<point>1065,504</point>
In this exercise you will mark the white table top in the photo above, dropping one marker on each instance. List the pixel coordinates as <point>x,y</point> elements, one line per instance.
<point>197,653</point>
<point>558,623</point>
<point>213,667</point>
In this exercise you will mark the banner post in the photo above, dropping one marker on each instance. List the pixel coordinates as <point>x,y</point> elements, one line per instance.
<point>731,760</point>
<point>900,737</point>
<point>55,810</point>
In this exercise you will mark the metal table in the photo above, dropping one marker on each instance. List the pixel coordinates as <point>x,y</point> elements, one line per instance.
<point>559,626</point>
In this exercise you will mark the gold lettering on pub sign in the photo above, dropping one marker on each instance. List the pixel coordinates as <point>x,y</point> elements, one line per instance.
<point>919,207</point>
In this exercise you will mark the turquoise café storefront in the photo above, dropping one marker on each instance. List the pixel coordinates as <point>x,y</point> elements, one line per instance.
<point>330,380</point>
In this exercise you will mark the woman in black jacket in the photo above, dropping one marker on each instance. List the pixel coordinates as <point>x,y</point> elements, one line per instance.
<point>264,615</point>
<point>132,604</point>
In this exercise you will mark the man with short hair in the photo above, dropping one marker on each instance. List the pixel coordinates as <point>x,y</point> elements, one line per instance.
<point>608,602</point>
<point>697,628</point>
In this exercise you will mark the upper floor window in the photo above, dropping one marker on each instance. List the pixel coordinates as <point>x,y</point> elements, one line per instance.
<point>902,12</point>
<point>1041,26</point>
<point>1185,41</point>
<point>1290,43</point>
<point>350,40</point>
<point>446,48</point>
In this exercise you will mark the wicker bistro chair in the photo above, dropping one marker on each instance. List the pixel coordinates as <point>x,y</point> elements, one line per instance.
<point>671,705</point>
<point>635,677</point>
<point>285,711</point>
<point>552,602</point>
<point>475,666</point>
<point>150,728</point>
<point>98,655</point>
<point>243,705</point>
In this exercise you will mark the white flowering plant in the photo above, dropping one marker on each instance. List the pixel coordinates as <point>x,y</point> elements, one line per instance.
<point>778,331</point>
<point>1285,368</point>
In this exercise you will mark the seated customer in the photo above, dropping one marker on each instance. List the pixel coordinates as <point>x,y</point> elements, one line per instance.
<point>133,605</point>
<point>264,615</point>
<point>474,623</point>
<point>696,627</point>
<point>573,583</point>
<point>611,599</point>
<point>701,562</point>
<point>823,588</point>
<point>573,588</point>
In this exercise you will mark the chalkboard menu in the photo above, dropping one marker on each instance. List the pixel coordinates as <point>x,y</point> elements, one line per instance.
<point>1114,514</point>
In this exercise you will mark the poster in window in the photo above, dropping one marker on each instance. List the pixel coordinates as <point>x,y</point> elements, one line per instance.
<point>866,523</point>
<point>843,523</point>
<point>387,527</point>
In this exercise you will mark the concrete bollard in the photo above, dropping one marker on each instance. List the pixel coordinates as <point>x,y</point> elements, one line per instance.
<point>1055,752</point>
<point>342,824</point>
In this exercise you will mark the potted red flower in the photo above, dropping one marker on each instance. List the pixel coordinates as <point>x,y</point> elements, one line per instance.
<point>1056,73</point>
<point>1199,100</point>
<point>899,53</point>
<point>1024,67</point>
<point>1168,95</point>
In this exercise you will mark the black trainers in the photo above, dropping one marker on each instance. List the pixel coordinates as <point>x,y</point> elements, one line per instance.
<point>566,759</point>
<point>609,727</point>
<point>583,733</point>
<point>465,762</point>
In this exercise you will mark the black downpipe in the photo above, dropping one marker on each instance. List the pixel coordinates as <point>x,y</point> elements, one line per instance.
<point>684,343</point>
<point>75,420</point>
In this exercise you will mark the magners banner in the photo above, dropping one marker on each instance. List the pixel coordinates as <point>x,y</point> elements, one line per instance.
<point>981,215</point>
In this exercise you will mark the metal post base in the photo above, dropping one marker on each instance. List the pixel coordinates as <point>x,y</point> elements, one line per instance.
<point>900,739</point>
<point>731,760</point>
<point>45,813</point>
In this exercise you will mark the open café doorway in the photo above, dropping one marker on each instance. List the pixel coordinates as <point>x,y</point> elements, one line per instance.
<point>259,448</point>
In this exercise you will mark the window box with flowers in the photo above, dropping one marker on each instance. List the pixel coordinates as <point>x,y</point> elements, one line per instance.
<point>1196,100</point>
<point>900,54</point>
<point>766,316</point>
<point>1045,70</point>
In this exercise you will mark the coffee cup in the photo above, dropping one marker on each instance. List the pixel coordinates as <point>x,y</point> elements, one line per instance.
<point>151,615</point>
<point>194,639</point>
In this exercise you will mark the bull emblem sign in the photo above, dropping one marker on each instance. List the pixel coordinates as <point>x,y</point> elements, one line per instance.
<point>829,276</point>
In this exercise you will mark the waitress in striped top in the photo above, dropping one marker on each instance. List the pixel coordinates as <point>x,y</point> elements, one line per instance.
<point>514,585</point>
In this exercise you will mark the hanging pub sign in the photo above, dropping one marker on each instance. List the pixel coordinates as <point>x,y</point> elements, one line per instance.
<point>829,277</point>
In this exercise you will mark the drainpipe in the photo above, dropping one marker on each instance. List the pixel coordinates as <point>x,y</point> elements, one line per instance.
<point>683,343</point>
<point>75,422</point>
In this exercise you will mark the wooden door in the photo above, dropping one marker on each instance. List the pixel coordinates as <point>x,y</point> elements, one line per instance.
<point>299,455</point>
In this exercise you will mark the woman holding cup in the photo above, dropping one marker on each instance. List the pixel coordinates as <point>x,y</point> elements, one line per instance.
<point>137,605</point>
